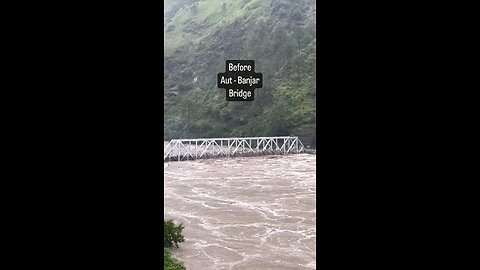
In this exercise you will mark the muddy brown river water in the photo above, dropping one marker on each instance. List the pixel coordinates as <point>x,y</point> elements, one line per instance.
<point>244,213</point>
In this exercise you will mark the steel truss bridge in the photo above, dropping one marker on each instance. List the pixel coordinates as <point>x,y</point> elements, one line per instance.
<point>191,149</point>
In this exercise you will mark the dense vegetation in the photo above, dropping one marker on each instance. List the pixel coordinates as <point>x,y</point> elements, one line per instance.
<point>201,34</point>
<point>169,262</point>
<point>172,235</point>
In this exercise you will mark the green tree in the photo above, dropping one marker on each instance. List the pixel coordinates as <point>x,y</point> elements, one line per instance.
<point>169,262</point>
<point>172,234</point>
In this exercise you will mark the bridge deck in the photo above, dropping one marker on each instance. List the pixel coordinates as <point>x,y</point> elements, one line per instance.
<point>189,149</point>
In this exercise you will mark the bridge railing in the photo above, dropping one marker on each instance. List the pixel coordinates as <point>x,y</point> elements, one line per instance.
<point>189,149</point>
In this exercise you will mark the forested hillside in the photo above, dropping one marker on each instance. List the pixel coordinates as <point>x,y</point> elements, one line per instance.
<point>200,35</point>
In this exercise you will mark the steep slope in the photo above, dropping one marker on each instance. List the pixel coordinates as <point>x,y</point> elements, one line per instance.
<point>201,35</point>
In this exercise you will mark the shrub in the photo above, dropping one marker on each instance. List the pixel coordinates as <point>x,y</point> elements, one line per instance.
<point>169,262</point>
<point>172,234</point>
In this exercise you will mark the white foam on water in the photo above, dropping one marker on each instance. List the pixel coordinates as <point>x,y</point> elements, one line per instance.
<point>244,213</point>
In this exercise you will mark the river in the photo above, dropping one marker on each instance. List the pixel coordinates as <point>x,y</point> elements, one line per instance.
<point>244,213</point>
